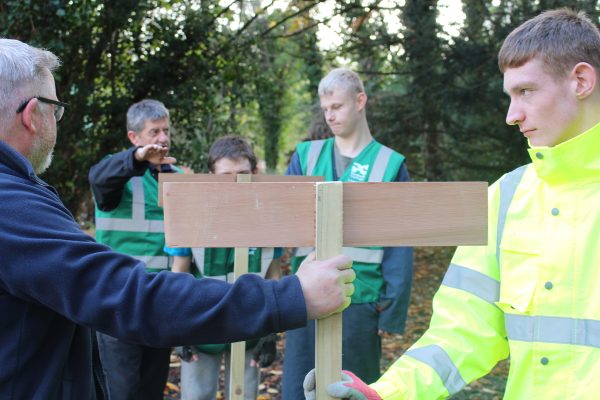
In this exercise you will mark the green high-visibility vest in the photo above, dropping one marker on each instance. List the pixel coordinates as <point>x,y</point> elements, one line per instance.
<point>217,263</point>
<point>136,226</point>
<point>375,163</point>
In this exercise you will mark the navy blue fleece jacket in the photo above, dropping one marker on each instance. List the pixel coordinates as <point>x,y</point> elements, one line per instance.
<point>57,285</point>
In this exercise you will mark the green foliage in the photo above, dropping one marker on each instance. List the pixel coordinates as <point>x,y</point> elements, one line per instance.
<point>438,99</point>
<point>184,53</point>
<point>247,67</point>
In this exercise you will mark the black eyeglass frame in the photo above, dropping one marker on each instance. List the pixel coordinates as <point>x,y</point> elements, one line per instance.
<point>57,114</point>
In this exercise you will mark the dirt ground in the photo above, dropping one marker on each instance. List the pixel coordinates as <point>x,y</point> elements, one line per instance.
<point>430,265</point>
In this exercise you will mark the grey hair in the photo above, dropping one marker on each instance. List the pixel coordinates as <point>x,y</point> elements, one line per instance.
<point>341,78</point>
<point>22,72</point>
<point>144,110</point>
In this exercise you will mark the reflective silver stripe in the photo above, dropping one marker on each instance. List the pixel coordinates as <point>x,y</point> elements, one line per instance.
<point>357,254</point>
<point>303,251</point>
<point>128,225</point>
<point>229,277</point>
<point>154,262</point>
<point>526,328</point>
<point>223,278</point>
<point>138,199</point>
<point>198,254</point>
<point>508,187</point>
<point>437,358</point>
<point>266,257</point>
<point>313,155</point>
<point>474,282</point>
<point>137,222</point>
<point>368,256</point>
<point>380,165</point>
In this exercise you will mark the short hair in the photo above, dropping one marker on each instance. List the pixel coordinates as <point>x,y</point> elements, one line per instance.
<point>231,146</point>
<point>21,74</point>
<point>144,110</point>
<point>559,38</point>
<point>341,78</point>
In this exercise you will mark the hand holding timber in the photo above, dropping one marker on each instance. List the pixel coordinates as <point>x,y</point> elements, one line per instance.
<point>327,285</point>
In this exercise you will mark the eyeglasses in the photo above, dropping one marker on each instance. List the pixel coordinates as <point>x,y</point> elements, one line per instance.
<point>59,110</point>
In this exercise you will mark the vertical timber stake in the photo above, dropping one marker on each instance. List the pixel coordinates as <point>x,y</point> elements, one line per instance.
<point>237,366</point>
<point>328,243</point>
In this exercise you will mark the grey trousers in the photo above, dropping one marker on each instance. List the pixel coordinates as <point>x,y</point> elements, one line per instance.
<point>199,379</point>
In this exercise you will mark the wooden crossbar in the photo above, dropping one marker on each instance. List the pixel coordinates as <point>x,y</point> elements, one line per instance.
<point>375,214</point>
<point>237,363</point>
<point>189,178</point>
<point>226,178</point>
<point>295,214</point>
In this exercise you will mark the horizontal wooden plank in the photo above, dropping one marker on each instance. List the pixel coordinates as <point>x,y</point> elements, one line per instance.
<point>285,178</point>
<point>239,214</point>
<point>162,178</point>
<point>415,214</point>
<point>283,214</point>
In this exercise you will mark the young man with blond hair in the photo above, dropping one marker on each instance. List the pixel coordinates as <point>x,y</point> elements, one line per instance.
<point>380,302</point>
<point>532,292</point>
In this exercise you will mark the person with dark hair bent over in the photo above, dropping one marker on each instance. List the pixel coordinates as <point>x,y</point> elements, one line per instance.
<point>201,364</point>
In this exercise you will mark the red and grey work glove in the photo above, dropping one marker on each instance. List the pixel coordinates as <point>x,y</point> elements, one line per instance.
<point>350,387</point>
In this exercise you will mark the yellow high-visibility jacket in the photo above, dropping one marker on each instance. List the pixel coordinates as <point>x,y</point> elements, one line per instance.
<point>533,291</point>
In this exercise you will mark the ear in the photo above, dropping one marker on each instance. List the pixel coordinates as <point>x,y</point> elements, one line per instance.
<point>133,137</point>
<point>361,101</point>
<point>585,79</point>
<point>31,116</point>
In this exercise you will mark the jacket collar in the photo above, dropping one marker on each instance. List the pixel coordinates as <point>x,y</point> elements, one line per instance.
<point>575,160</point>
<point>16,161</point>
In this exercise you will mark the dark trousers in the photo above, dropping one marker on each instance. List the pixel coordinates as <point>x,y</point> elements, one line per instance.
<point>361,349</point>
<point>133,372</point>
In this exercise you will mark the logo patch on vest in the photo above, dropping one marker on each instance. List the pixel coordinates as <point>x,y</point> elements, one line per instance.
<point>358,172</point>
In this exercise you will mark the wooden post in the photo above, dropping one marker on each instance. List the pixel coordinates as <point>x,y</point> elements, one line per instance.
<point>237,366</point>
<point>328,243</point>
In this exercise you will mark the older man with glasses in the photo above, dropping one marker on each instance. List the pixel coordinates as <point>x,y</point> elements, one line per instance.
<point>58,286</point>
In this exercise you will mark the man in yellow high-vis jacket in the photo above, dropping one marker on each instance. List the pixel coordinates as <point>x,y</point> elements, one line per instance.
<point>532,292</point>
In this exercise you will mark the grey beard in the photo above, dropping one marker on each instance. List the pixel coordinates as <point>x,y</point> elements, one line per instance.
<point>45,164</point>
<point>41,157</point>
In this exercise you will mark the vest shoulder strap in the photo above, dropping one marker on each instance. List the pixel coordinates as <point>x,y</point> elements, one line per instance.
<point>313,155</point>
